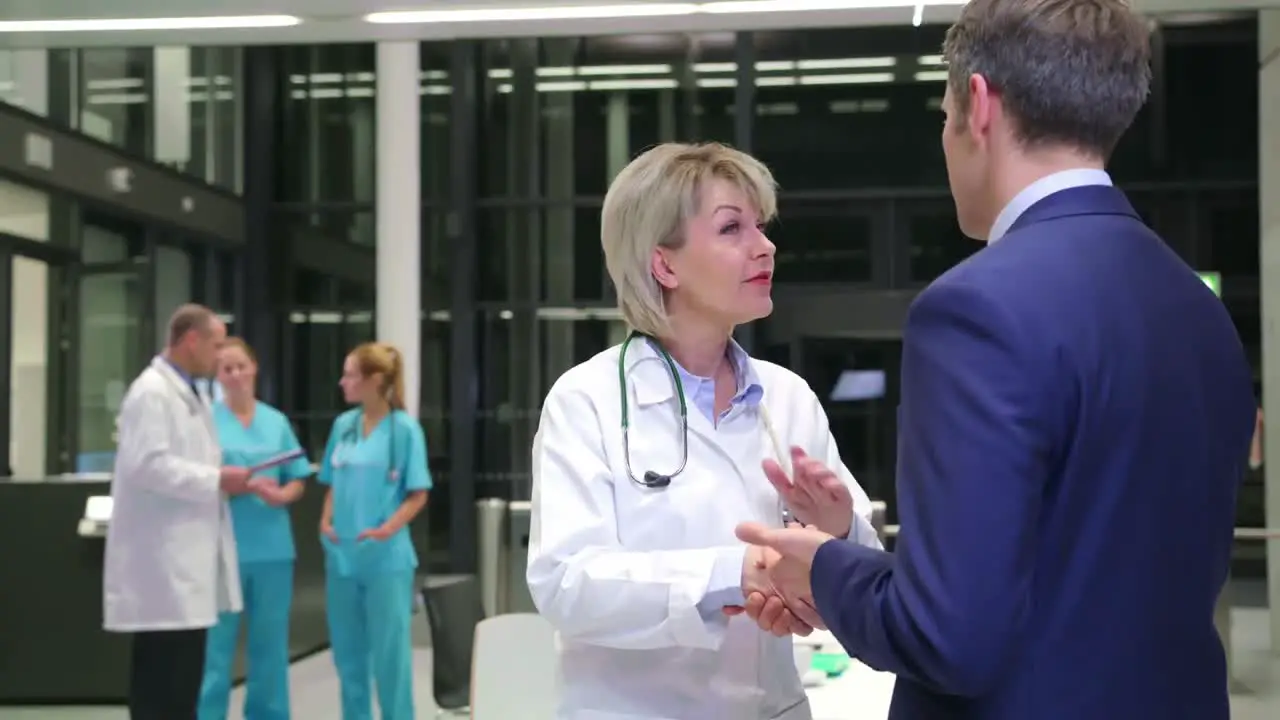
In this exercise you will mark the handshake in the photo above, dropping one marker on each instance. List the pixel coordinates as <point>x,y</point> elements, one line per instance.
<point>239,481</point>
<point>775,571</point>
<point>775,578</point>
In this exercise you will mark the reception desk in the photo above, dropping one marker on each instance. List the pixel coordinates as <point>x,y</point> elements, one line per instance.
<point>54,648</point>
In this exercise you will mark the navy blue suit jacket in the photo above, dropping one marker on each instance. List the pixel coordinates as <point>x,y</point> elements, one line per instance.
<point>1075,422</point>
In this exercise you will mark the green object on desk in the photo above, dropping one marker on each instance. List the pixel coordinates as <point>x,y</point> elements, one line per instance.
<point>833,664</point>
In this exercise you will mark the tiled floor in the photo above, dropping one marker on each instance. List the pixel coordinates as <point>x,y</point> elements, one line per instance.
<point>314,686</point>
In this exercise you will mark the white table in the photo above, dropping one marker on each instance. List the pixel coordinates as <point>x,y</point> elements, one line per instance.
<point>860,693</point>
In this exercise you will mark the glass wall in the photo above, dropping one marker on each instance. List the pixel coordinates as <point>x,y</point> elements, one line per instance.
<point>81,289</point>
<point>325,189</point>
<point>24,80</point>
<point>848,119</point>
<point>178,106</point>
<point>559,118</point>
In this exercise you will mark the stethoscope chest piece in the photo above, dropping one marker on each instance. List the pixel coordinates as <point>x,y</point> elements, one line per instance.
<point>653,480</point>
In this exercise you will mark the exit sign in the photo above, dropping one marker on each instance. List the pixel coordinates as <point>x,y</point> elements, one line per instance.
<point>1213,280</point>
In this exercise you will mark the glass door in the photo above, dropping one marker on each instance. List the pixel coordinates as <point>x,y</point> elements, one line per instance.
<point>115,343</point>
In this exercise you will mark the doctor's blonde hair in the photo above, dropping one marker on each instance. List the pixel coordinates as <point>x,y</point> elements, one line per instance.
<point>374,358</point>
<point>646,208</point>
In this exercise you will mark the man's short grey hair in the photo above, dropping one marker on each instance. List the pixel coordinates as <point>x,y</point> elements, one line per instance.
<point>187,318</point>
<point>647,206</point>
<point>1071,73</point>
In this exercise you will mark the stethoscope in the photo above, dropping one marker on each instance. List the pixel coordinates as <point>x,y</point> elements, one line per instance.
<point>651,478</point>
<point>351,435</point>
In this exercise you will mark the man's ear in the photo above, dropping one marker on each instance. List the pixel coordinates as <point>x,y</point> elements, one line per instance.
<point>663,272</point>
<point>982,102</point>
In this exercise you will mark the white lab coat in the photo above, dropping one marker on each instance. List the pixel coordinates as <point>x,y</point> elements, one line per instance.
<point>171,553</point>
<point>618,569</point>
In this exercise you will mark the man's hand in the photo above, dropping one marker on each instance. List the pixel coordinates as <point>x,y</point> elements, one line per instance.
<point>787,556</point>
<point>790,594</point>
<point>755,584</point>
<point>234,480</point>
<point>815,494</point>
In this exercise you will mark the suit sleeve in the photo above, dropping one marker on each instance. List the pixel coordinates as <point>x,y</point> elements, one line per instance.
<point>146,457</point>
<point>590,588</point>
<point>949,608</point>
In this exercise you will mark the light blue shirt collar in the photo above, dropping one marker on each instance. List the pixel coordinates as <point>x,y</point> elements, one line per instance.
<point>1041,189</point>
<point>701,391</point>
<point>186,376</point>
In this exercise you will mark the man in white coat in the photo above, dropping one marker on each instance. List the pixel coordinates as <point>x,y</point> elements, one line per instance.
<point>171,556</point>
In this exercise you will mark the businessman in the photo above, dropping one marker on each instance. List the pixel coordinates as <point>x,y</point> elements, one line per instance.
<point>1075,416</point>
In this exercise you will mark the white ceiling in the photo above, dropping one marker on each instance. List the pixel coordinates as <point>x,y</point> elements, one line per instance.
<point>342,20</point>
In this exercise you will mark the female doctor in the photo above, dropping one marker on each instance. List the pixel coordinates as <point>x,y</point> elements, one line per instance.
<point>649,454</point>
<point>252,432</point>
<point>376,468</point>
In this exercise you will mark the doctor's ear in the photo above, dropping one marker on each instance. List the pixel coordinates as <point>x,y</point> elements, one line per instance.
<point>662,270</point>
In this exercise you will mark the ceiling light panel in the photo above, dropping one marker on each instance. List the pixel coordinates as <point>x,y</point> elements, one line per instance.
<point>228,22</point>
<point>636,10</point>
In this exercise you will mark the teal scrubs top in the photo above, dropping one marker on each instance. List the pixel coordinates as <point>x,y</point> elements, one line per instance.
<point>370,477</point>
<point>263,532</point>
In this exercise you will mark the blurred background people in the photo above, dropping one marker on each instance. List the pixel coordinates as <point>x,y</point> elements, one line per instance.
<point>171,564</point>
<point>375,468</point>
<point>252,432</point>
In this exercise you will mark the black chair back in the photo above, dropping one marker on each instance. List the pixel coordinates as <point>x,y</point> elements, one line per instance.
<point>453,611</point>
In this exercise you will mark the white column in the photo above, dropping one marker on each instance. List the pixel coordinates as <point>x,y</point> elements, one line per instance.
<point>1269,205</point>
<point>399,208</point>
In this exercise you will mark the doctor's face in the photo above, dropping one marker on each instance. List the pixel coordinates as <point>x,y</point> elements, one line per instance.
<point>204,347</point>
<point>724,270</point>
<point>236,371</point>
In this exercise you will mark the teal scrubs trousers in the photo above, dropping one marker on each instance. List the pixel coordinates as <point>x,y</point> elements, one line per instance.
<point>264,544</point>
<point>369,583</point>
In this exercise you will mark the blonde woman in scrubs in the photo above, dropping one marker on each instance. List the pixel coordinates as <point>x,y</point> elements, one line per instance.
<point>375,467</point>
<point>250,432</point>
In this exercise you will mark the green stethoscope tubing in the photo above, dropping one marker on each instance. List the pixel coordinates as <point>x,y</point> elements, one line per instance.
<point>650,478</point>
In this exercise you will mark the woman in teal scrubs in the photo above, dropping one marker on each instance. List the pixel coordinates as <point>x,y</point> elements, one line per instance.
<point>251,432</point>
<point>375,466</point>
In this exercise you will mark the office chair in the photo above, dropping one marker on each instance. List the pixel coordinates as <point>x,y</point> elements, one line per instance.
<point>453,611</point>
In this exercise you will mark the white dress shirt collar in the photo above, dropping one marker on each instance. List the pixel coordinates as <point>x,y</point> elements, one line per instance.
<point>1041,189</point>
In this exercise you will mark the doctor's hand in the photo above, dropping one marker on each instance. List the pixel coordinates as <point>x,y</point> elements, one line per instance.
<point>234,480</point>
<point>779,621</point>
<point>815,494</point>
<point>789,559</point>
